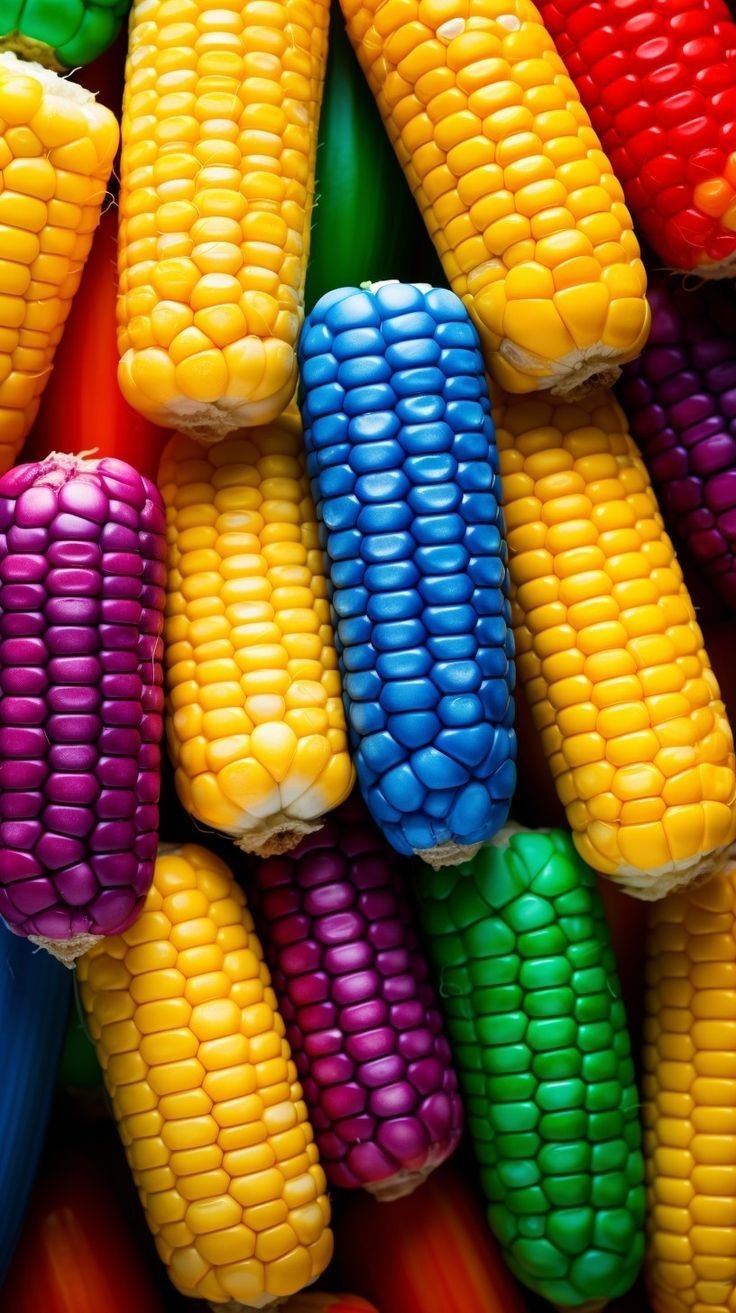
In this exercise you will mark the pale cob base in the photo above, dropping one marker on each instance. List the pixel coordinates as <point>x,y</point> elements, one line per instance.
<point>283,837</point>
<point>66,951</point>
<point>711,272</point>
<point>35,52</point>
<point>448,854</point>
<point>581,371</point>
<point>206,421</point>
<point>399,1186</point>
<point>650,886</point>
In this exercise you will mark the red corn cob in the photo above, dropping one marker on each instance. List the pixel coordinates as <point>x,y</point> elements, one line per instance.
<point>361,1015</point>
<point>658,78</point>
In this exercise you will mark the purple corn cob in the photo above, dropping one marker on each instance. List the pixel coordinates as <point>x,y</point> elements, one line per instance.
<point>680,397</point>
<point>81,613</point>
<point>361,1015</point>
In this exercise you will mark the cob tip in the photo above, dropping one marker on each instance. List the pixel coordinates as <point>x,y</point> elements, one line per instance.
<point>448,854</point>
<point>399,1186</point>
<point>651,886</point>
<point>283,838</point>
<point>66,951</point>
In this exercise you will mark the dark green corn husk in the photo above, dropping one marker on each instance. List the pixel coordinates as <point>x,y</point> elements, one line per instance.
<point>533,1008</point>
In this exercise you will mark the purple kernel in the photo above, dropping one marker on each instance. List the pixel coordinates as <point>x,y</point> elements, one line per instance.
<point>356,987</point>
<point>332,1070</point>
<point>112,869</point>
<point>117,772</point>
<point>31,896</point>
<point>19,742</point>
<point>340,927</point>
<point>348,957</point>
<point>364,1016</point>
<point>76,884</point>
<point>17,866</point>
<point>322,1043</point>
<point>394,1100</point>
<point>405,1139</point>
<point>328,898</point>
<point>113,910</point>
<point>75,555</point>
<point>23,680</point>
<point>73,757</point>
<point>73,728</point>
<point>297,958</point>
<point>23,597</point>
<point>80,790</point>
<point>23,569</point>
<point>75,670</point>
<point>83,496</point>
<point>74,582</point>
<point>73,699</point>
<point>18,774</point>
<point>56,850</point>
<point>370,1044</point>
<point>415,1044</point>
<point>311,988</point>
<point>427,1075</point>
<point>72,611</point>
<point>22,711</point>
<point>369,1164</point>
<point>19,805</point>
<point>119,742</point>
<point>36,507</point>
<point>73,526</point>
<point>343,1100</point>
<point>70,640</point>
<point>23,834</point>
<point>384,1071</point>
<point>112,836</point>
<point>74,821</point>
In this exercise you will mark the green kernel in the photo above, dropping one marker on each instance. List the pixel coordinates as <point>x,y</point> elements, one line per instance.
<point>560,1065</point>
<point>561,1094</point>
<point>529,913</point>
<point>545,972</point>
<point>571,1229</point>
<point>551,1003</point>
<point>615,1229</point>
<point>506,1028</point>
<point>569,1124</point>
<point>510,1058</point>
<point>514,1116</point>
<point>525,1203</point>
<point>540,1258</point>
<point>609,1190</point>
<point>559,1159</point>
<point>515,1175</point>
<point>523,1145</point>
<point>542,943</point>
<point>568,1191</point>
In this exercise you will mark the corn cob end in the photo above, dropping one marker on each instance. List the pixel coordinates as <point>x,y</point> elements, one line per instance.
<point>30,50</point>
<point>399,1186</point>
<point>66,951</point>
<point>283,838</point>
<point>448,854</point>
<point>650,886</point>
<point>149,383</point>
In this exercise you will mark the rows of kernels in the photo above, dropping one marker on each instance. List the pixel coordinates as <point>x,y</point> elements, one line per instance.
<point>609,649</point>
<point>256,725</point>
<point>520,200</point>
<point>219,138</point>
<point>531,997</point>
<point>404,468</point>
<point>205,1091</point>
<point>657,77</point>
<point>81,614</point>
<point>64,34</point>
<point>361,1014</point>
<point>680,398</point>
<point>688,1085</point>
<point>56,152</point>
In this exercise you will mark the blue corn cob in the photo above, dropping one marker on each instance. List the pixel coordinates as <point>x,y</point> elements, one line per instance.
<point>402,458</point>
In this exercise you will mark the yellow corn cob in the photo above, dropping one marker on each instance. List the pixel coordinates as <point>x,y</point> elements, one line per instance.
<point>219,137</point>
<point>690,1099</point>
<point>608,647</point>
<point>204,1090</point>
<point>256,725</point>
<point>56,151</point>
<point>521,202</point>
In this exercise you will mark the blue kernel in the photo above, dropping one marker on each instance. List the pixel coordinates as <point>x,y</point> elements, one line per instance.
<point>478,537</point>
<point>386,547</point>
<point>403,605</point>
<point>354,629</point>
<point>376,456</point>
<point>420,439</point>
<point>414,729</point>
<point>465,388</point>
<point>419,833</point>
<point>363,686</point>
<point>455,361</point>
<point>315,340</point>
<point>326,431</point>
<point>476,476</point>
<point>318,370</point>
<point>363,370</point>
<point>402,788</point>
<point>386,485</point>
<point>443,558</point>
<point>377,396</point>
<point>491,630</point>
<point>480,509</point>
<point>436,467</point>
<point>460,709</point>
<point>420,410</point>
<point>457,676</point>
<point>413,662</point>
<point>418,382</point>
<point>340,512</point>
<point>361,656</point>
<point>450,619</point>
<point>408,327</point>
<point>381,751</point>
<point>397,574</point>
<point>347,574</point>
<point>366,717</point>
<point>392,635</point>
<point>489,601</point>
<point>357,342</point>
<point>398,299</point>
<point>488,571</point>
<point>438,803</point>
<point>378,427</point>
<point>357,309</point>
<point>493,662</point>
<point>413,353</point>
<point>495,696</point>
<point>441,590</point>
<point>503,749</point>
<point>435,499</point>
<point>350,601</point>
<point>329,299</point>
<point>336,480</point>
<point>464,415</point>
<point>411,695</point>
<point>454,334</point>
<point>344,546</point>
<point>471,446</point>
<point>436,529</point>
<point>452,647</point>
<point>470,745</point>
<point>503,782</point>
<point>389,518</point>
<point>326,400</point>
<point>379,806</point>
<point>443,305</point>
<point>471,810</point>
<point>435,770</point>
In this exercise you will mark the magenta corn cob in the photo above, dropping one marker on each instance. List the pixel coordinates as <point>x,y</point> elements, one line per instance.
<point>361,1015</point>
<point>81,614</point>
<point>680,397</point>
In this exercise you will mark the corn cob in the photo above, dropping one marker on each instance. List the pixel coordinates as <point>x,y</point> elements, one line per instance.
<point>34,1001</point>
<point>256,726</point>
<point>404,471</point>
<point>429,1252</point>
<point>519,199</point>
<point>532,1003</point>
<point>680,398</point>
<point>219,138</point>
<point>689,1118</point>
<point>81,614</point>
<point>62,34</point>
<point>109,426</point>
<point>76,1252</point>
<point>56,152</point>
<point>205,1091</point>
<point>620,686</point>
<point>656,77</point>
<point>361,1016</point>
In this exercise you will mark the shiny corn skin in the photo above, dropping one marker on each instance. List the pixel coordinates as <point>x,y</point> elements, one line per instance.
<point>256,726</point>
<point>56,151</point>
<point>517,194</point>
<point>219,139</point>
<point>689,1119</point>
<point>204,1090</point>
<point>609,650</point>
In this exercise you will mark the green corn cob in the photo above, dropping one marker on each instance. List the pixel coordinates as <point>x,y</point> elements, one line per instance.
<point>533,1009</point>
